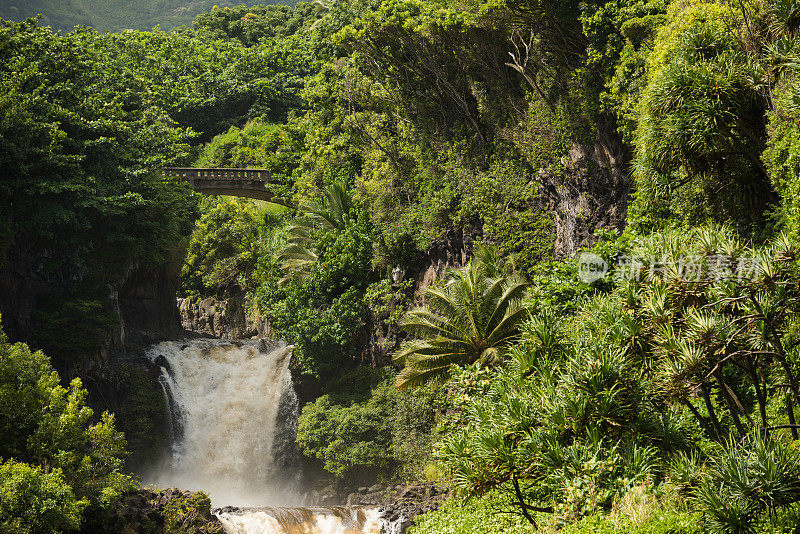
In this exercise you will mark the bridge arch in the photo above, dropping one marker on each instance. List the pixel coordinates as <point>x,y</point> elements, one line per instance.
<point>246,183</point>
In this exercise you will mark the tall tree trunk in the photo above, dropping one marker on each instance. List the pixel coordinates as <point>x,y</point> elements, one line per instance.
<point>733,404</point>
<point>710,430</point>
<point>778,344</point>
<point>790,413</point>
<point>761,389</point>
<point>711,412</point>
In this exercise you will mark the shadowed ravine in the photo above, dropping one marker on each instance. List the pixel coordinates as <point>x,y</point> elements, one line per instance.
<point>233,415</point>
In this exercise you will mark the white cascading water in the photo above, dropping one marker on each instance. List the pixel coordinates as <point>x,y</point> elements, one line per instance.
<point>336,520</point>
<point>234,421</point>
<point>225,399</point>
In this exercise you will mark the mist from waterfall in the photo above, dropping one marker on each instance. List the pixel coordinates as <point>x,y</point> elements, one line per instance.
<point>233,418</point>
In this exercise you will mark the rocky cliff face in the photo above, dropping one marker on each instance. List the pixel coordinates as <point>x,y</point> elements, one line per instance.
<point>226,319</point>
<point>138,310</point>
<point>592,193</point>
<point>147,308</point>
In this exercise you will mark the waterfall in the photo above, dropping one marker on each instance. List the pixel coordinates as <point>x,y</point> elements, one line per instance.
<point>233,418</point>
<point>233,415</point>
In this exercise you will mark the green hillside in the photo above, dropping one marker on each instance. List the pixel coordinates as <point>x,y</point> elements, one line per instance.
<point>114,15</point>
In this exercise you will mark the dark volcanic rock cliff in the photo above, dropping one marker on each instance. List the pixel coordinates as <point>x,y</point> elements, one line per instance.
<point>147,307</point>
<point>137,311</point>
<point>592,193</point>
<point>229,318</point>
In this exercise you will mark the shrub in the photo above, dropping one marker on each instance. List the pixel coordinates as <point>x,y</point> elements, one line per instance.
<point>47,425</point>
<point>35,502</point>
<point>348,436</point>
<point>747,482</point>
<point>660,522</point>
<point>189,515</point>
<point>368,425</point>
<point>782,156</point>
<point>513,216</point>
<point>558,436</point>
<point>478,515</point>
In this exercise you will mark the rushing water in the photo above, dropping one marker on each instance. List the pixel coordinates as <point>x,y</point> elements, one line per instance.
<point>233,415</point>
<point>337,520</point>
<point>226,402</point>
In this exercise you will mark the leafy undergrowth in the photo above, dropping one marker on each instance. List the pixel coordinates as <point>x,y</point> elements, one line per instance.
<point>640,512</point>
<point>671,522</point>
<point>483,515</point>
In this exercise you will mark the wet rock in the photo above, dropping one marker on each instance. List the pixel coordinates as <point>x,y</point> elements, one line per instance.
<point>403,503</point>
<point>148,511</point>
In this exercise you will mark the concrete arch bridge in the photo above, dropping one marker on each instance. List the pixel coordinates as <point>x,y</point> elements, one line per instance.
<point>247,183</point>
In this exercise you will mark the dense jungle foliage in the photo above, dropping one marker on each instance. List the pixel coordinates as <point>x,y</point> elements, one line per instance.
<point>113,15</point>
<point>659,398</point>
<point>657,395</point>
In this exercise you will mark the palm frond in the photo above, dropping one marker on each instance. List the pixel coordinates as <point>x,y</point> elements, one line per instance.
<point>412,377</point>
<point>474,317</point>
<point>329,216</point>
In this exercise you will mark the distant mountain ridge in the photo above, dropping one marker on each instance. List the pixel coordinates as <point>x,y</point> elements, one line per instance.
<point>115,15</point>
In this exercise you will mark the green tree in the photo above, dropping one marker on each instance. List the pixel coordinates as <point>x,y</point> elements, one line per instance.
<point>701,123</point>
<point>48,426</point>
<point>278,148</point>
<point>350,435</point>
<point>83,204</point>
<point>252,24</point>
<point>554,430</point>
<point>324,312</point>
<point>225,248</point>
<point>364,423</point>
<point>36,502</point>
<point>782,156</point>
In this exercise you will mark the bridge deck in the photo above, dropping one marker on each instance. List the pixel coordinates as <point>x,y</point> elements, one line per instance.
<point>217,173</point>
<point>247,183</point>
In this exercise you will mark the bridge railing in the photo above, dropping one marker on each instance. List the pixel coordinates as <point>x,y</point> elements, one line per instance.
<point>211,173</point>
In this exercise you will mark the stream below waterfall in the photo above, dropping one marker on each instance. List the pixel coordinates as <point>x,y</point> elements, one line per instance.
<point>233,419</point>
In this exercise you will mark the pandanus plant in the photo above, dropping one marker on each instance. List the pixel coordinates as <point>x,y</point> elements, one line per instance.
<point>473,317</point>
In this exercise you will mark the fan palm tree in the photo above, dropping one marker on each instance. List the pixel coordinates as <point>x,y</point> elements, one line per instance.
<point>474,317</point>
<point>328,216</point>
